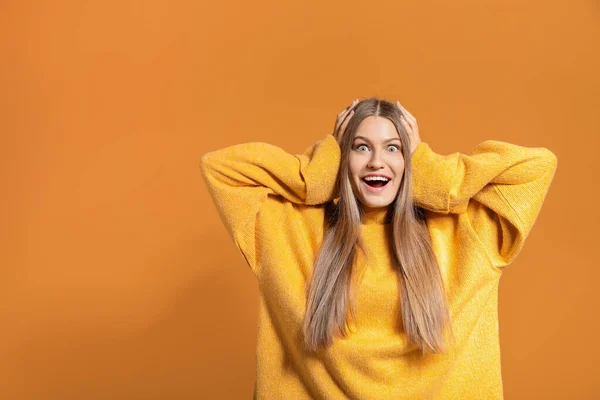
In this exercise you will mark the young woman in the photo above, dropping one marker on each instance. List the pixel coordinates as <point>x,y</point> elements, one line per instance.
<point>378,260</point>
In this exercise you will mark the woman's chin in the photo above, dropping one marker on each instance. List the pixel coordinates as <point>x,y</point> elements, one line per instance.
<point>375,203</point>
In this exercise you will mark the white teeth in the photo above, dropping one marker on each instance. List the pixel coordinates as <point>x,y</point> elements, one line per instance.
<point>376,178</point>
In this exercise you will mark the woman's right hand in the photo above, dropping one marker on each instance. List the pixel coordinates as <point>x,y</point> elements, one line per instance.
<point>342,121</point>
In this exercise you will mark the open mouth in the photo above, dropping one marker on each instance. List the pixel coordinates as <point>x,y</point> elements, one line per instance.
<point>377,182</point>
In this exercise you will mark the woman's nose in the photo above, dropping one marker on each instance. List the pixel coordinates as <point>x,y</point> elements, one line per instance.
<point>375,161</point>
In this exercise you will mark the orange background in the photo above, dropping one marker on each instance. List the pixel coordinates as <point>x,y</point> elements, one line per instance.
<point>118,280</point>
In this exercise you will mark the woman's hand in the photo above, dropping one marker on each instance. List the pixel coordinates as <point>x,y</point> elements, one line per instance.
<point>342,121</point>
<point>410,124</point>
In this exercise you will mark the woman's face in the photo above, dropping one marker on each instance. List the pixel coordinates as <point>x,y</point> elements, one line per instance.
<point>376,151</point>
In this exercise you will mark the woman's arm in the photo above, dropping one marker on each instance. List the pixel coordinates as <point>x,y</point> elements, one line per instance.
<point>240,177</point>
<point>500,186</point>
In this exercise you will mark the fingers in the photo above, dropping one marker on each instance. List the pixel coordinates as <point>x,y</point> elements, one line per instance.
<point>409,117</point>
<point>350,108</point>
<point>355,102</point>
<point>404,120</point>
<point>405,123</point>
<point>345,123</point>
<point>408,121</point>
<point>342,123</point>
<point>343,117</point>
<point>412,128</point>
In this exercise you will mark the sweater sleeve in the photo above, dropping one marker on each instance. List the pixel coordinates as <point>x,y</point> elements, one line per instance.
<point>499,188</point>
<point>240,177</point>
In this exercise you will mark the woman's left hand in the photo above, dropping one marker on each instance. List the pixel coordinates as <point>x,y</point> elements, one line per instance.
<point>410,124</point>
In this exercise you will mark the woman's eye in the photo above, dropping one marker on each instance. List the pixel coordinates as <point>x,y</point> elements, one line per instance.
<point>360,146</point>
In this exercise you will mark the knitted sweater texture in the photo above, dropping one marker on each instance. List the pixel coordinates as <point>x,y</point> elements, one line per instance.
<point>479,207</point>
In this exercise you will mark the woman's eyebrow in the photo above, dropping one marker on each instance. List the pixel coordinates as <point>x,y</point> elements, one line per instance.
<point>367,140</point>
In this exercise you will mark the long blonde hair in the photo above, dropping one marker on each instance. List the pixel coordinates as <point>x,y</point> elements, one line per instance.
<point>425,313</point>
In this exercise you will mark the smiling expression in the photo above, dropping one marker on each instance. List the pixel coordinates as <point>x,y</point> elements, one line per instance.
<point>376,151</point>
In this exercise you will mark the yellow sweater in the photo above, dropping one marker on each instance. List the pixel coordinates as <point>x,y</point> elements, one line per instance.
<point>479,207</point>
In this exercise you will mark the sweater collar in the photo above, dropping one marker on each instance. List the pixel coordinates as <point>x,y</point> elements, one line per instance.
<point>374,216</point>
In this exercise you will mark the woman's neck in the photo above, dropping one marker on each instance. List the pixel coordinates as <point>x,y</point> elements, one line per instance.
<point>374,215</point>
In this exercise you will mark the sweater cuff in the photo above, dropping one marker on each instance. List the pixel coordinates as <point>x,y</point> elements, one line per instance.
<point>432,175</point>
<point>321,173</point>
